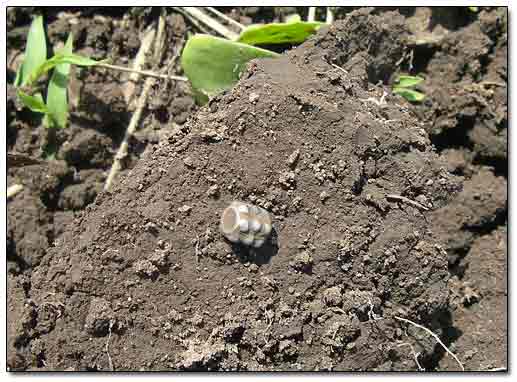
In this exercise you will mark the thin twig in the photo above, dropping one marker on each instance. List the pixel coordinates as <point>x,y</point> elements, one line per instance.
<point>13,190</point>
<point>407,201</point>
<point>142,72</point>
<point>133,123</point>
<point>226,18</point>
<point>123,149</point>
<point>130,85</point>
<point>312,14</point>
<point>434,336</point>
<point>492,83</point>
<point>213,24</point>
<point>193,20</point>
<point>196,249</point>
<point>160,39</point>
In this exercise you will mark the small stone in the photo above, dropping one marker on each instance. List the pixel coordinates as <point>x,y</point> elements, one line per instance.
<point>100,317</point>
<point>291,290</point>
<point>293,158</point>
<point>422,199</point>
<point>253,268</point>
<point>287,180</point>
<point>185,209</point>
<point>197,320</point>
<point>159,258</point>
<point>213,191</point>
<point>145,268</point>
<point>303,262</point>
<point>332,296</point>
<point>188,162</point>
<point>324,196</point>
<point>254,97</point>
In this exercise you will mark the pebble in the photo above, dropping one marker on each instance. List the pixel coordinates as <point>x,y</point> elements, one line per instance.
<point>324,196</point>
<point>185,209</point>
<point>254,97</point>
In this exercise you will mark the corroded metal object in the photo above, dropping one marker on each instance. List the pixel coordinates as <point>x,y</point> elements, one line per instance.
<point>245,224</point>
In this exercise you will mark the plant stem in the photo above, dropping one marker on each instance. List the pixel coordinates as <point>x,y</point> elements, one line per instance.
<point>434,336</point>
<point>142,72</point>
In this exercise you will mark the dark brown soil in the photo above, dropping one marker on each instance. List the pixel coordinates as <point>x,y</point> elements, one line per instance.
<point>139,278</point>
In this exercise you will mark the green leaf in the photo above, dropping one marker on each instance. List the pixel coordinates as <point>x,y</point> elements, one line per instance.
<point>61,58</point>
<point>473,9</point>
<point>33,102</point>
<point>35,52</point>
<point>408,81</point>
<point>76,59</point>
<point>409,94</point>
<point>57,101</point>
<point>278,33</point>
<point>214,64</point>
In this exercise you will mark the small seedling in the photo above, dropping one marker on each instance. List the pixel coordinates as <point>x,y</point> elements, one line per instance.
<point>36,65</point>
<point>214,64</point>
<point>404,85</point>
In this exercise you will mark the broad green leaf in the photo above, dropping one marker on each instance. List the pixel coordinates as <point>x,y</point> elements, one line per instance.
<point>409,94</point>
<point>57,101</point>
<point>33,102</point>
<point>35,52</point>
<point>214,64</point>
<point>408,81</point>
<point>61,58</point>
<point>278,33</point>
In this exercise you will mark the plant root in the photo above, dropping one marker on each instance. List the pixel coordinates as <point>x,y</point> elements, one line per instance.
<point>434,336</point>
<point>407,201</point>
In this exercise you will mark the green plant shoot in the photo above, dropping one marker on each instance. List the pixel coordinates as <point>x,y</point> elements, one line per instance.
<point>403,87</point>
<point>57,98</point>
<point>35,52</point>
<point>36,64</point>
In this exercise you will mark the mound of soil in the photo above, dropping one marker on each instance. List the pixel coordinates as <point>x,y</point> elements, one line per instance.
<point>144,280</point>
